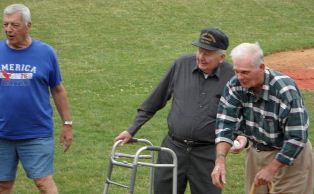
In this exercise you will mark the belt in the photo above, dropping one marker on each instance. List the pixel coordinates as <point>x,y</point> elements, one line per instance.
<point>190,143</point>
<point>262,147</point>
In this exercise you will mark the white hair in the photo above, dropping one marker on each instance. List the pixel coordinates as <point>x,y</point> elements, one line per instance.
<point>19,8</point>
<point>252,51</point>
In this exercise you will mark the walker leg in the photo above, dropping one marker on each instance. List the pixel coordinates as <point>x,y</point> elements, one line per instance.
<point>132,181</point>
<point>151,186</point>
<point>109,172</point>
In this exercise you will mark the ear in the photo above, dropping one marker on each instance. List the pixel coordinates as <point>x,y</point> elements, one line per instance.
<point>222,58</point>
<point>28,27</point>
<point>29,24</point>
<point>262,66</point>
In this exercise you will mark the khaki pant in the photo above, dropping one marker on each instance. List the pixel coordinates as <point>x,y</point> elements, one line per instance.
<point>295,179</point>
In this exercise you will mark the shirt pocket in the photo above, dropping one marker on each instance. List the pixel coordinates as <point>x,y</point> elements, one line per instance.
<point>270,125</point>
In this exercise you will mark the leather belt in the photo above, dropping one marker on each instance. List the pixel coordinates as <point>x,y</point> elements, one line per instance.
<point>190,143</point>
<point>262,147</point>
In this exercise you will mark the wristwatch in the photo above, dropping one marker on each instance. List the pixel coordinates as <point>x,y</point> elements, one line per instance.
<point>67,122</point>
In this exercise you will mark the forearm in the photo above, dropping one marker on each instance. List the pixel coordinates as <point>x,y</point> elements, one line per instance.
<point>289,152</point>
<point>141,118</point>
<point>219,172</point>
<point>61,101</point>
<point>222,149</point>
<point>153,103</point>
<point>266,174</point>
<point>295,132</point>
<point>295,140</point>
<point>275,165</point>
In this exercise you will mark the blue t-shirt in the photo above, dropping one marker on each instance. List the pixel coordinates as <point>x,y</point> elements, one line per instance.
<point>25,78</point>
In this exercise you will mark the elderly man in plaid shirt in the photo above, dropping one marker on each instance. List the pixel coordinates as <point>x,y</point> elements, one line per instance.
<point>265,107</point>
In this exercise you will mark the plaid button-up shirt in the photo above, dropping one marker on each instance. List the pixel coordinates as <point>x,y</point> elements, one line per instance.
<point>277,117</point>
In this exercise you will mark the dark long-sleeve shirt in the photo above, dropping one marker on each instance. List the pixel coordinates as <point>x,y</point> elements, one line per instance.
<point>194,99</point>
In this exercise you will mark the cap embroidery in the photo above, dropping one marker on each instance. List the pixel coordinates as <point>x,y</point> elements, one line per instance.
<point>207,38</point>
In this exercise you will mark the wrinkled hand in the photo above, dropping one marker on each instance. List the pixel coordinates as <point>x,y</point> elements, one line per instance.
<point>242,141</point>
<point>66,137</point>
<point>264,176</point>
<point>124,136</point>
<point>219,173</point>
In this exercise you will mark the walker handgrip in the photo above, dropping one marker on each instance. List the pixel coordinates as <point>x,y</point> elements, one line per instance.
<point>133,140</point>
<point>153,148</point>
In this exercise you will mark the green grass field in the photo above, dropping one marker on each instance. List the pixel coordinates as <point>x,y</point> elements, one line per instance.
<point>112,53</point>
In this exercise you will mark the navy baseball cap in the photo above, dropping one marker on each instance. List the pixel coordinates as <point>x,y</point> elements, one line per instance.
<point>212,39</point>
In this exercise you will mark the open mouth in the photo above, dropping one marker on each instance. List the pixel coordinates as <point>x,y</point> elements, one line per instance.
<point>10,36</point>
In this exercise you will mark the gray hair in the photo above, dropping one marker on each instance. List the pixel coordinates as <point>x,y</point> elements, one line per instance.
<point>248,50</point>
<point>222,52</point>
<point>19,8</point>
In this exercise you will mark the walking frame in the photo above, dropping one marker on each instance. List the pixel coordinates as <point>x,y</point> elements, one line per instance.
<point>137,162</point>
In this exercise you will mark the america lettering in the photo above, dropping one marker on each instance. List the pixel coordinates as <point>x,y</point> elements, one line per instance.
<point>18,68</point>
<point>16,74</point>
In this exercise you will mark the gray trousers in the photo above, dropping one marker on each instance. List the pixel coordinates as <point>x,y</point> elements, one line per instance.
<point>195,165</point>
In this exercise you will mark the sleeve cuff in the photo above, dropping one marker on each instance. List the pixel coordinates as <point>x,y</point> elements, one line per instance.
<point>284,159</point>
<point>223,139</point>
<point>132,130</point>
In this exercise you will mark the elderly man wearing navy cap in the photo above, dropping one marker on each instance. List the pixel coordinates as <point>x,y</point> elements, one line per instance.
<point>194,83</point>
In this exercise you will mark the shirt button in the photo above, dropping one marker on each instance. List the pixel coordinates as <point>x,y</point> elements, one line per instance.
<point>203,93</point>
<point>201,106</point>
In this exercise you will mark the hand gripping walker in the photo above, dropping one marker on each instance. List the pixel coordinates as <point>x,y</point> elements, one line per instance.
<point>137,163</point>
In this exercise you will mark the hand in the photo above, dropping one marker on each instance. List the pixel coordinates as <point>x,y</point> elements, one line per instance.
<point>124,136</point>
<point>265,176</point>
<point>238,144</point>
<point>219,173</point>
<point>66,137</point>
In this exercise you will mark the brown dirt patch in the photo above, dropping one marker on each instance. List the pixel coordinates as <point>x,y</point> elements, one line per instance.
<point>297,64</point>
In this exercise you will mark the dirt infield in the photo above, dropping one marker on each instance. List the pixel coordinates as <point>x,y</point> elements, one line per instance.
<point>297,64</point>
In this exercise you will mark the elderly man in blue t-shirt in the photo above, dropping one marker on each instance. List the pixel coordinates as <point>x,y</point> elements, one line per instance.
<point>29,68</point>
